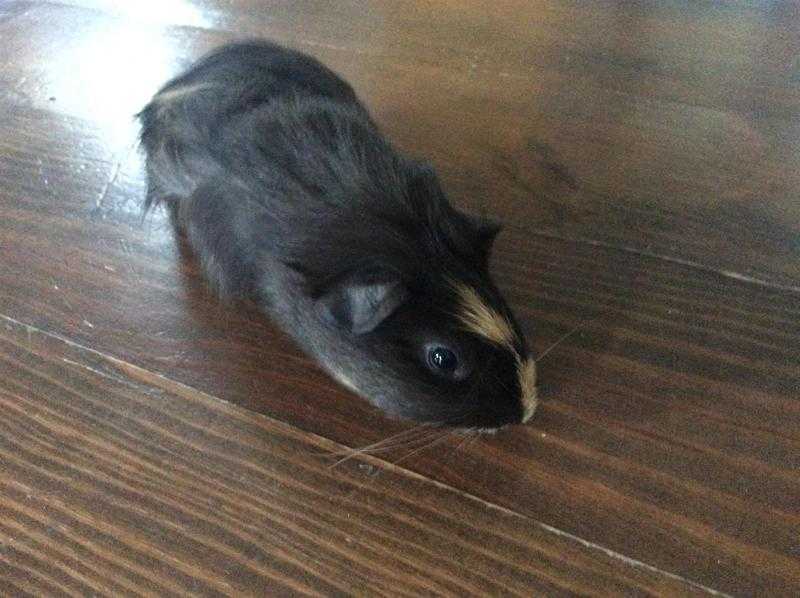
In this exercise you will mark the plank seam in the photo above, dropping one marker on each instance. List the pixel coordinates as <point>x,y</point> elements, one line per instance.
<point>637,564</point>
<point>730,274</point>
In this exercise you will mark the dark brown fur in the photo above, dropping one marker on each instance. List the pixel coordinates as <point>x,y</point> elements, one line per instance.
<point>289,193</point>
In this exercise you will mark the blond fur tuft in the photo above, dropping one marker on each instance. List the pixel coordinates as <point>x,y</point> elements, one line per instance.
<point>481,319</point>
<point>478,317</point>
<point>526,371</point>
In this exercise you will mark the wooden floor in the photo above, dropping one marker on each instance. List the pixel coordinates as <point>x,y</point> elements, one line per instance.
<point>645,157</point>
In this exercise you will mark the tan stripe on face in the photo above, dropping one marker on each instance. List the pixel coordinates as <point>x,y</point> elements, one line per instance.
<point>526,371</point>
<point>481,319</point>
<point>177,93</point>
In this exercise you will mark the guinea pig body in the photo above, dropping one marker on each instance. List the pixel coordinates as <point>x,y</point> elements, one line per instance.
<point>288,193</point>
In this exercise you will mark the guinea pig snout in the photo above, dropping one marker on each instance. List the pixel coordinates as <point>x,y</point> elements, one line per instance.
<point>529,405</point>
<point>526,371</point>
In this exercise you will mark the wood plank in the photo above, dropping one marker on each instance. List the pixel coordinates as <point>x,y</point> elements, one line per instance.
<point>116,482</point>
<point>663,128</point>
<point>669,429</point>
<point>647,48</point>
<point>669,432</point>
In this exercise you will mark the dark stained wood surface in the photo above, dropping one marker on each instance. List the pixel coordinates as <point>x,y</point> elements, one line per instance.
<point>618,140</point>
<point>116,481</point>
<point>668,130</point>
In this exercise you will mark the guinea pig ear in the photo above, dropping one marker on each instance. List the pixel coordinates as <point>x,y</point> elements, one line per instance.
<point>360,302</point>
<point>486,233</point>
<point>424,190</point>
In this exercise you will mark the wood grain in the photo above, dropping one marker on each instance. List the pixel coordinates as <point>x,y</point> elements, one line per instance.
<point>669,429</point>
<point>669,130</point>
<point>117,482</point>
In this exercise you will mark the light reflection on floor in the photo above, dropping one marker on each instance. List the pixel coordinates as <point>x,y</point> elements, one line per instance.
<point>164,12</point>
<point>109,75</point>
<point>106,70</point>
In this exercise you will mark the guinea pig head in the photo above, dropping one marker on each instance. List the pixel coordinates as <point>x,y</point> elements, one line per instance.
<point>431,339</point>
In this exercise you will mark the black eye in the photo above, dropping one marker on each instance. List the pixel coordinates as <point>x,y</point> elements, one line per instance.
<point>442,359</point>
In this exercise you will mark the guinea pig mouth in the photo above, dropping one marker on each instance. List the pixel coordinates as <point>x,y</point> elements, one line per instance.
<point>487,431</point>
<point>488,423</point>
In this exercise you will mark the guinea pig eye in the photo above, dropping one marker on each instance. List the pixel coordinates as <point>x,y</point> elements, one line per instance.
<point>442,359</point>
<point>446,359</point>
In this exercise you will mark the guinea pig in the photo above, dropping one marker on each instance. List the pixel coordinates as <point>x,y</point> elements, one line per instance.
<point>288,193</point>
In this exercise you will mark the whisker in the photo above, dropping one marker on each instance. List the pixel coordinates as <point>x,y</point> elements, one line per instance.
<point>402,443</point>
<point>473,441</point>
<point>412,436</point>
<point>559,341</point>
<point>421,433</point>
<point>445,435</point>
<point>469,433</point>
<point>402,434</point>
